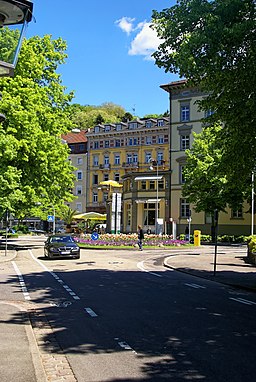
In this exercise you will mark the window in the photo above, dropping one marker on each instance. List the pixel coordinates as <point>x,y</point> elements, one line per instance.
<point>160,122</point>
<point>150,214</point>
<point>79,175</point>
<point>147,157</point>
<point>160,139</point>
<point>143,185</point>
<point>208,113</point>
<point>184,113</point>
<point>181,177</point>
<point>118,143</point>
<point>95,179</point>
<point>106,160</point>
<point>148,124</point>
<point>160,157</point>
<point>184,208</point>
<point>82,147</point>
<point>106,144</point>
<point>184,142</point>
<point>130,142</point>
<point>79,207</point>
<point>132,125</point>
<point>148,140</point>
<point>96,129</point>
<point>208,218</point>
<point>129,158</point>
<point>106,176</point>
<point>135,141</point>
<point>129,214</point>
<point>95,160</point>
<point>118,127</point>
<point>161,184</point>
<point>95,197</point>
<point>95,144</point>
<point>135,158</point>
<point>79,160</point>
<point>117,158</point>
<point>107,127</point>
<point>117,177</point>
<point>72,148</point>
<point>152,185</point>
<point>79,190</point>
<point>237,214</point>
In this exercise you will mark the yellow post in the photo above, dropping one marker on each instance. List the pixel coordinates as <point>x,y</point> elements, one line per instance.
<point>197,238</point>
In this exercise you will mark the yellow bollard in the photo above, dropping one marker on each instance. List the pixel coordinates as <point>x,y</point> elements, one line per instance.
<point>197,238</point>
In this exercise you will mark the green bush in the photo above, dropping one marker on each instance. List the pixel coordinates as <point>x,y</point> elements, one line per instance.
<point>252,243</point>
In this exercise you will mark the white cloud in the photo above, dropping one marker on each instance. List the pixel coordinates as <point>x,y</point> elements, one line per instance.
<point>145,42</point>
<point>126,24</point>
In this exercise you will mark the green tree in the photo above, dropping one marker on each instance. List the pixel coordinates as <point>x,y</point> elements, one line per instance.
<point>212,44</point>
<point>127,117</point>
<point>205,185</point>
<point>67,215</point>
<point>85,117</point>
<point>33,159</point>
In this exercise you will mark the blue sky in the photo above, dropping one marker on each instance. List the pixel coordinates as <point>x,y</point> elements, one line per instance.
<point>109,46</point>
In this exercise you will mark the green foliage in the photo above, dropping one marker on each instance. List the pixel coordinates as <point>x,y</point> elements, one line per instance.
<point>67,215</point>
<point>212,44</point>
<point>252,243</point>
<point>204,183</point>
<point>8,44</point>
<point>85,117</point>
<point>33,160</point>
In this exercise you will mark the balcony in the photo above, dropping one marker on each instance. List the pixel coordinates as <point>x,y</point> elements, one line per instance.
<point>130,165</point>
<point>105,166</point>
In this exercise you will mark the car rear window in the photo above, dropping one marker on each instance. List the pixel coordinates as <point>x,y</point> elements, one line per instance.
<point>61,239</point>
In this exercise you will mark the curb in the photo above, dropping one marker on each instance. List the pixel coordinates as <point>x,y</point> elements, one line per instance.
<point>209,278</point>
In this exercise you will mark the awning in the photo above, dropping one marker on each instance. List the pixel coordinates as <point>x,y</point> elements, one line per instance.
<point>149,177</point>
<point>147,201</point>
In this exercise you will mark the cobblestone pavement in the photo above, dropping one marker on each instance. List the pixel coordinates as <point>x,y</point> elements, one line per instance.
<point>55,363</point>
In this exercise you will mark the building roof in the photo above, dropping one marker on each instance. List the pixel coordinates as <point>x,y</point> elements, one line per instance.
<point>174,84</point>
<point>75,137</point>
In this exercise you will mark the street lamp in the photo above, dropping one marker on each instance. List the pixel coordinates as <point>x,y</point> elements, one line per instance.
<point>18,13</point>
<point>252,217</point>
<point>154,163</point>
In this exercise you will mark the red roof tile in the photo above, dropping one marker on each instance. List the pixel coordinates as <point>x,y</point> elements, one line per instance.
<point>75,137</point>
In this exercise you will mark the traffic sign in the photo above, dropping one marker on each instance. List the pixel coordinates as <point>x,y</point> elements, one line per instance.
<point>94,236</point>
<point>50,218</point>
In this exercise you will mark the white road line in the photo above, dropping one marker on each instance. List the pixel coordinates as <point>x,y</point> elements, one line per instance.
<point>90,312</point>
<point>196,286</point>
<point>141,267</point>
<point>124,345</point>
<point>22,282</point>
<point>243,301</point>
<point>66,287</point>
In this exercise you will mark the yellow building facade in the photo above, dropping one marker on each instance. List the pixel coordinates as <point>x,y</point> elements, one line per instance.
<point>185,118</point>
<point>124,152</point>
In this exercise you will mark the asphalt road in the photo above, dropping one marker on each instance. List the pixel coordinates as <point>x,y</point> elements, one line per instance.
<point>122,316</point>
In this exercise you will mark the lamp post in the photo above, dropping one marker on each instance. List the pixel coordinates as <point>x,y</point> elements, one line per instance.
<point>155,164</point>
<point>252,223</point>
<point>18,13</point>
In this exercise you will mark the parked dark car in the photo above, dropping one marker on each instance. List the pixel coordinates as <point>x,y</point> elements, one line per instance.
<point>61,246</point>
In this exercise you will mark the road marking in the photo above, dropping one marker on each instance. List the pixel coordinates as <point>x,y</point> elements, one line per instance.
<point>66,287</point>
<point>196,286</point>
<point>243,301</point>
<point>141,267</point>
<point>63,304</point>
<point>124,345</point>
<point>90,312</point>
<point>22,282</point>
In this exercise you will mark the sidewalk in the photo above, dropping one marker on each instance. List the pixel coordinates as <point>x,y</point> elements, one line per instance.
<point>231,265</point>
